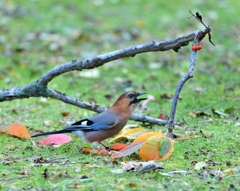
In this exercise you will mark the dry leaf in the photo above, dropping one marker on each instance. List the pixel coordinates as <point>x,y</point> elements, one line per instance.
<point>95,152</point>
<point>132,148</point>
<point>118,146</point>
<point>144,104</point>
<point>145,136</point>
<point>200,165</point>
<point>163,116</point>
<point>156,148</point>
<point>140,166</point>
<point>132,165</point>
<point>18,130</point>
<point>65,113</point>
<point>149,149</point>
<point>130,133</point>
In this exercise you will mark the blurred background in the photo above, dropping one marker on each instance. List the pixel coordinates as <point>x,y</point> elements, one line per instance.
<point>36,36</point>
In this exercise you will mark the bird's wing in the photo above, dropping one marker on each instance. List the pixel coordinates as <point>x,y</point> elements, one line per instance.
<point>98,122</point>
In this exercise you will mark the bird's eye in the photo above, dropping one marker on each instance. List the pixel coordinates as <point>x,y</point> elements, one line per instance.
<point>130,96</point>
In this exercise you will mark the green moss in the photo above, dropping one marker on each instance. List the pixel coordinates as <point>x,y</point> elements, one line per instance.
<point>39,35</point>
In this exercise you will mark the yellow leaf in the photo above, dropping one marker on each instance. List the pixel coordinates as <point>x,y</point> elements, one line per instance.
<point>120,186</point>
<point>129,133</point>
<point>145,136</point>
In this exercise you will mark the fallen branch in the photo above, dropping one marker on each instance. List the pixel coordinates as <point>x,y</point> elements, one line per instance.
<point>13,178</point>
<point>39,88</point>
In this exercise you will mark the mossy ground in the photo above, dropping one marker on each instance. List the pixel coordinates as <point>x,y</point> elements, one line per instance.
<point>39,35</point>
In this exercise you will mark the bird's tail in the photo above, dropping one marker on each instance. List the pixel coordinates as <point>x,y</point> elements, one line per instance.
<point>51,133</point>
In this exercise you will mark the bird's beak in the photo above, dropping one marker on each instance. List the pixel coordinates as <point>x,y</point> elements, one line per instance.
<point>138,100</point>
<point>141,99</point>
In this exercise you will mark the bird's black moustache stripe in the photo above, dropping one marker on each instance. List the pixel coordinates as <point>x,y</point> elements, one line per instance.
<point>136,100</point>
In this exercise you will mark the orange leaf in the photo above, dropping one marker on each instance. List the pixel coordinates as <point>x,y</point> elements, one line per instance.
<point>18,130</point>
<point>156,148</point>
<point>118,146</point>
<point>149,149</point>
<point>127,150</point>
<point>95,152</point>
<point>86,150</point>
<point>145,136</point>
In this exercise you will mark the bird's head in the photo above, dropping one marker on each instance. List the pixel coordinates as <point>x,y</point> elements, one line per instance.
<point>129,100</point>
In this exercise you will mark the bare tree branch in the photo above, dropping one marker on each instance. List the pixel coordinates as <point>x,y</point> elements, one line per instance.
<point>39,88</point>
<point>199,36</point>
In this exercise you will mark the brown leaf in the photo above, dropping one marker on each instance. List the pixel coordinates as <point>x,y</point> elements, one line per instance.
<point>18,130</point>
<point>163,116</point>
<point>45,174</point>
<point>65,113</point>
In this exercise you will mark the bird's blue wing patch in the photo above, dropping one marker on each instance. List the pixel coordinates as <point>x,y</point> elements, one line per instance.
<point>97,126</point>
<point>86,125</point>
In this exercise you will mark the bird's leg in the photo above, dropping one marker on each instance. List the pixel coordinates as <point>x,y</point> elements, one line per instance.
<point>107,148</point>
<point>95,144</point>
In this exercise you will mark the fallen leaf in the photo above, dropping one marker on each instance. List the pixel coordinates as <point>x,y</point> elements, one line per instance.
<point>132,148</point>
<point>18,130</point>
<point>144,104</point>
<point>198,114</point>
<point>145,136</point>
<point>95,152</point>
<point>132,165</point>
<point>218,113</point>
<point>140,166</point>
<point>45,174</point>
<point>65,113</point>
<point>57,139</point>
<point>166,96</point>
<point>229,110</point>
<point>130,133</point>
<point>156,148</point>
<point>132,184</point>
<point>200,165</point>
<point>149,149</point>
<point>120,186</point>
<point>165,146</point>
<point>118,146</point>
<point>228,171</point>
<point>163,116</point>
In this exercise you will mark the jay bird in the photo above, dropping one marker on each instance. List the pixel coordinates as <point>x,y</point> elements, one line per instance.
<point>106,124</point>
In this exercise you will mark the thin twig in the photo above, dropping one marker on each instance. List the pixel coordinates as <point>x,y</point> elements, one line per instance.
<point>198,37</point>
<point>13,178</point>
